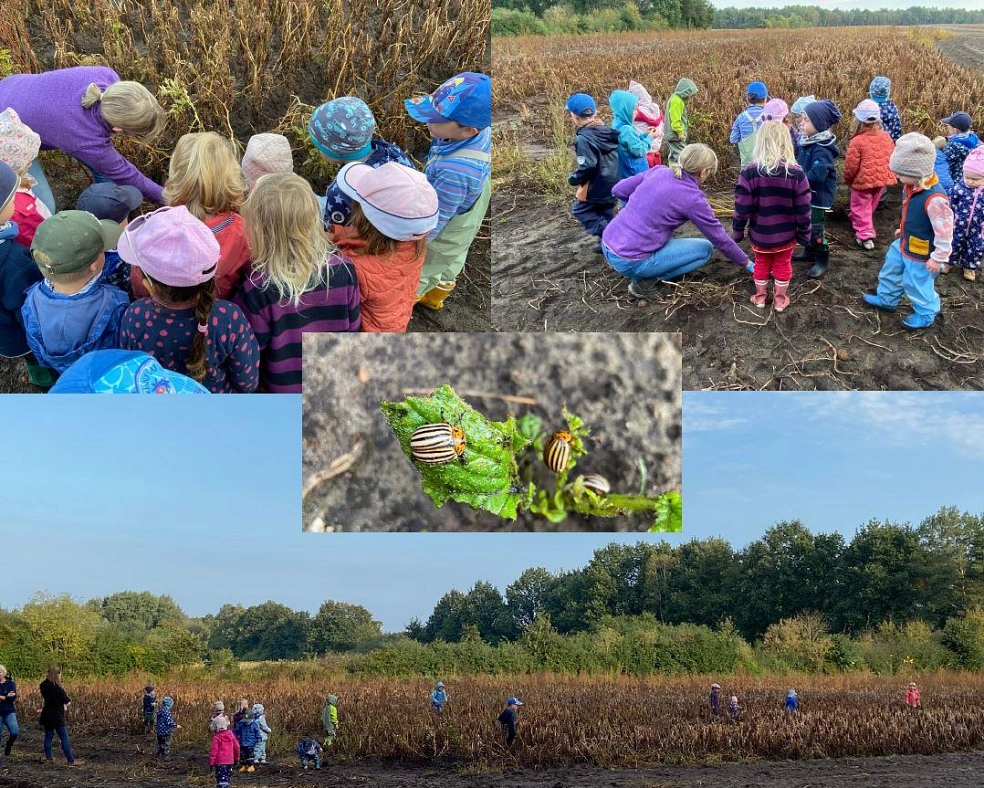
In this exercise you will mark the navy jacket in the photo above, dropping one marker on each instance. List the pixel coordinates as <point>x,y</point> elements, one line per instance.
<point>817,160</point>
<point>17,273</point>
<point>597,162</point>
<point>7,706</point>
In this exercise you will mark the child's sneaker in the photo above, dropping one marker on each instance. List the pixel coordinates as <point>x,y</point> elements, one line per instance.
<point>865,243</point>
<point>970,275</point>
<point>945,269</point>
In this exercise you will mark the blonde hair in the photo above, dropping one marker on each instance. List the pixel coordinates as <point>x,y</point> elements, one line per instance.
<point>695,158</point>
<point>129,106</point>
<point>204,175</point>
<point>287,235</point>
<point>773,148</point>
<point>860,125</point>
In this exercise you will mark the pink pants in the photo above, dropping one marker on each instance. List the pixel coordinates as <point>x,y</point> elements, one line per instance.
<point>863,205</point>
<point>777,262</point>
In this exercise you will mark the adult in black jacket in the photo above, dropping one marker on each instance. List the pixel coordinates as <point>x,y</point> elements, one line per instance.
<point>56,702</point>
<point>8,715</point>
<point>596,148</point>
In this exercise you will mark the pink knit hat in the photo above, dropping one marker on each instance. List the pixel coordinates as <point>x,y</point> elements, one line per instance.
<point>19,145</point>
<point>171,246</point>
<point>398,200</point>
<point>974,163</point>
<point>266,153</point>
<point>775,109</point>
<point>867,111</point>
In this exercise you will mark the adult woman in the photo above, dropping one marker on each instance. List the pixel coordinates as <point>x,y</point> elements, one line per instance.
<point>639,242</point>
<point>52,719</point>
<point>77,110</point>
<point>8,716</point>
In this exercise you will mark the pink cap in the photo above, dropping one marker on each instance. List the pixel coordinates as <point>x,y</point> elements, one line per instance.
<point>974,163</point>
<point>867,111</point>
<point>398,200</point>
<point>171,246</point>
<point>775,109</point>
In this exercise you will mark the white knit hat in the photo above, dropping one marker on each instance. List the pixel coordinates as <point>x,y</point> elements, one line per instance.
<point>265,154</point>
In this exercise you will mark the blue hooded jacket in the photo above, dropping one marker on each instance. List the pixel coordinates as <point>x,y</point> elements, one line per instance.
<point>817,156</point>
<point>633,145</point>
<point>17,273</point>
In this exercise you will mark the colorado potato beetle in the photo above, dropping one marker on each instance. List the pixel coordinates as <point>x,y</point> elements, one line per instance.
<point>433,444</point>
<point>557,451</point>
<point>596,483</point>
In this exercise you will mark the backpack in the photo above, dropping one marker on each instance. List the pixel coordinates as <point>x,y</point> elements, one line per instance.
<point>747,145</point>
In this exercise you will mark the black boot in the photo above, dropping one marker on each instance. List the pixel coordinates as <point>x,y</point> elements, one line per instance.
<point>809,253</point>
<point>822,261</point>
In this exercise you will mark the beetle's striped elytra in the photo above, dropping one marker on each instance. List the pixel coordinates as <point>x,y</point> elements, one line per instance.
<point>597,483</point>
<point>557,451</point>
<point>434,444</point>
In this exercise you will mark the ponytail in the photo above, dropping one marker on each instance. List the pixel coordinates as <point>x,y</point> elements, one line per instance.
<point>695,158</point>
<point>197,364</point>
<point>92,96</point>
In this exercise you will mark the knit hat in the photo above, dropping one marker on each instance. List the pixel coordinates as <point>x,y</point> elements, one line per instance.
<point>440,684</point>
<point>959,120</point>
<point>734,699</point>
<point>257,709</point>
<point>19,145</point>
<point>266,153</point>
<point>974,163</point>
<point>715,685</point>
<point>581,104</point>
<point>123,372</point>
<point>466,98</point>
<point>822,114</point>
<point>800,104</point>
<point>149,687</point>
<point>70,241</point>
<point>398,200</point>
<point>168,702</point>
<point>9,181</point>
<point>757,91</point>
<point>218,706</point>
<point>775,109</point>
<point>342,128</point>
<point>220,723</point>
<point>879,89</point>
<point>108,200</point>
<point>867,111</point>
<point>171,246</point>
<point>914,156</point>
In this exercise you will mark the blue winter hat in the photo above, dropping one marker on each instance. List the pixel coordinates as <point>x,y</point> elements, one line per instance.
<point>342,128</point>
<point>801,103</point>
<point>466,99</point>
<point>880,88</point>
<point>581,104</point>
<point>123,372</point>
<point>758,91</point>
<point>822,114</point>
<point>168,702</point>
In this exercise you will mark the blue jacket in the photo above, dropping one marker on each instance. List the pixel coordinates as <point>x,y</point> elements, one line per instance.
<point>248,732</point>
<point>165,722</point>
<point>817,157</point>
<point>17,273</point>
<point>956,149</point>
<point>633,145</point>
<point>596,148</point>
<point>942,169</point>
<point>62,328</point>
<point>968,225</point>
<point>149,702</point>
<point>7,706</point>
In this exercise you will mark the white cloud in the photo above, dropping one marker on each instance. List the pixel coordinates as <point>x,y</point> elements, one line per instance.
<point>701,414</point>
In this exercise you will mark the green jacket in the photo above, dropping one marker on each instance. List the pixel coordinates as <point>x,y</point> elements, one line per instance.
<point>676,108</point>
<point>329,718</point>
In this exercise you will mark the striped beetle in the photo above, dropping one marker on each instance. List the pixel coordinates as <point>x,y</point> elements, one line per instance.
<point>434,444</point>
<point>597,483</point>
<point>557,451</point>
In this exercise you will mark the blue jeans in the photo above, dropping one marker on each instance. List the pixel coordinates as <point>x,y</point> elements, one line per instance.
<point>42,190</point>
<point>680,256</point>
<point>66,745</point>
<point>900,275</point>
<point>9,721</point>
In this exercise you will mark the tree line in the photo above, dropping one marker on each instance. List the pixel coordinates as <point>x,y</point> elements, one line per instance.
<point>811,16</point>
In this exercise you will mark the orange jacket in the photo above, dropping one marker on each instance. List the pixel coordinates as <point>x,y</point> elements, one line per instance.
<point>387,285</point>
<point>866,166</point>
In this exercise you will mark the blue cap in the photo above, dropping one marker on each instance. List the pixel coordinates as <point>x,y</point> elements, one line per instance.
<point>959,120</point>
<point>108,200</point>
<point>123,372</point>
<point>466,99</point>
<point>514,702</point>
<point>581,104</point>
<point>758,90</point>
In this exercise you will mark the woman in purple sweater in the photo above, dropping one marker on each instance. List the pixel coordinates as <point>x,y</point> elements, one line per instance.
<point>77,110</point>
<point>639,242</point>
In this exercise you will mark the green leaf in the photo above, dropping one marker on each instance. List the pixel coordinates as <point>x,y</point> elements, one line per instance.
<point>669,513</point>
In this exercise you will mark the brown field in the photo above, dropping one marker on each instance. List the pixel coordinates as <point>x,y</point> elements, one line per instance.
<point>547,275</point>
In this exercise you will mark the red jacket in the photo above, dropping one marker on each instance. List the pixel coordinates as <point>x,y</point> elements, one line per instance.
<point>866,166</point>
<point>387,285</point>
<point>225,749</point>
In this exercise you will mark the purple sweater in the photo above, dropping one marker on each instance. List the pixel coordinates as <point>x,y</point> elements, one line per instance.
<point>775,208</point>
<point>51,104</point>
<point>658,203</point>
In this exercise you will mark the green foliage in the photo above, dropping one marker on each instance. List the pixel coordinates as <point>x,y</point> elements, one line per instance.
<point>813,16</point>
<point>512,22</point>
<point>339,626</point>
<point>802,643</point>
<point>964,636</point>
<point>514,17</point>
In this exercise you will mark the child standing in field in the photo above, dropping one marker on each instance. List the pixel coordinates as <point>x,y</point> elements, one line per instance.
<point>183,325</point>
<point>734,709</point>
<point>878,91</point>
<point>777,109</point>
<point>224,751</point>
<point>166,726</point>
<point>746,125</point>
<point>259,717</point>
<point>113,203</point>
<point>149,706</point>
<point>596,149</point>
<point>296,282</point>
<point>507,720</point>
<point>967,202</point>
<point>960,141</point>
<point>438,697</point>
<point>714,701</point>
<point>19,147</point>
<point>459,167</point>
<point>817,155</point>
<point>633,145</point>
<point>924,239</point>
<point>678,134</point>
<point>648,120</point>
<point>792,702</point>
<point>912,696</point>
<point>393,209</point>
<point>266,154</point>
<point>866,170</point>
<point>772,199</point>
<point>329,719</point>
<point>218,716</point>
<point>309,751</point>
<point>247,732</point>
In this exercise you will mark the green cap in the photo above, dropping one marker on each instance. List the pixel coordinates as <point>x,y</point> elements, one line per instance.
<point>70,241</point>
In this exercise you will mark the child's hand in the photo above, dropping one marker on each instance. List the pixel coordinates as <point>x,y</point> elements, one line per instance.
<point>933,266</point>
<point>898,233</point>
<point>750,267</point>
<point>582,193</point>
<point>939,142</point>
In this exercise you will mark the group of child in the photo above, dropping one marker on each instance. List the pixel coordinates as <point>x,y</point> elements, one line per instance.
<point>791,702</point>
<point>221,282</point>
<point>788,179</point>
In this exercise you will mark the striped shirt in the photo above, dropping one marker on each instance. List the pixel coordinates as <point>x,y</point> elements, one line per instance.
<point>457,179</point>
<point>746,124</point>
<point>775,208</point>
<point>279,325</point>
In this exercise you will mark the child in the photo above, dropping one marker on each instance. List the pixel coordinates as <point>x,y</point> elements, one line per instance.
<point>715,700</point>
<point>941,166</point>
<point>394,208</point>
<point>329,719</point>
<point>797,112</point>
<point>792,702</point>
<point>734,710</point>
<point>912,696</point>
<point>777,109</point>
<point>218,716</point>
<point>296,282</point>
<point>746,125</point>
<point>113,203</point>
<point>265,154</point>
<point>632,145</point>
<point>224,752</point>
<point>960,141</point>
<point>248,733</point>
<point>69,312</point>
<point>967,202</point>
<point>596,148</point>
<point>648,120</point>
<point>309,751</point>
<point>205,177</point>
<point>772,198</point>
<point>878,91</point>
<point>343,131</point>
<point>182,324</point>
<point>259,717</point>
<point>459,166</point>
<point>242,706</point>
<point>923,241</point>
<point>817,154</point>
<point>866,170</point>
<point>149,706</point>
<point>507,719</point>
<point>678,135</point>
<point>438,697</point>
<point>166,726</point>
<point>19,147</point>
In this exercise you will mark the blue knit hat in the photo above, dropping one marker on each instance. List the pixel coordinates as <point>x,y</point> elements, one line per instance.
<point>822,114</point>
<point>581,104</point>
<point>343,128</point>
<point>880,88</point>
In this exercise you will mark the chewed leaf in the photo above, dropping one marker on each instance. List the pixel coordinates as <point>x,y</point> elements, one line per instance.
<point>486,475</point>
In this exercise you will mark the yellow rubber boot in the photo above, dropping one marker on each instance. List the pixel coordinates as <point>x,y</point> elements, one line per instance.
<point>434,298</point>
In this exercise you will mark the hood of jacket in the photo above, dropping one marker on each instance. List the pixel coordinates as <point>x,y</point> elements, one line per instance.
<point>685,88</point>
<point>604,138</point>
<point>66,334</point>
<point>623,106</point>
